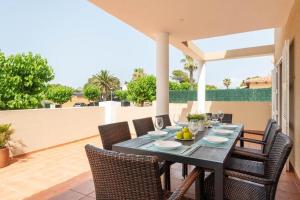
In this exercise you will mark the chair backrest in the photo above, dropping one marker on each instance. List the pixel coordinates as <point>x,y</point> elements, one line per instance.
<point>227,118</point>
<point>274,129</point>
<point>123,176</point>
<point>114,133</point>
<point>142,126</point>
<point>278,155</point>
<point>166,120</point>
<point>267,129</point>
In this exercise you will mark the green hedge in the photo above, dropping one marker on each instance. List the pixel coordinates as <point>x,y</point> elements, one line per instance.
<point>264,95</point>
<point>182,96</point>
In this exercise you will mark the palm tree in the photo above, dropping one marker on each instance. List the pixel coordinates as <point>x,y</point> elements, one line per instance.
<point>227,82</point>
<point>106,82</point>
<point>190,65</point>
<point>137,73</point>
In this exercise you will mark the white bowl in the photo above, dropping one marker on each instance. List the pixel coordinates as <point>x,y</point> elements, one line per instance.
<point>222,131</point>
<point>173,128</point>
<point>157,133</point>
<point>167,145</point>
<point>216,139</point>
<point>229,126</point>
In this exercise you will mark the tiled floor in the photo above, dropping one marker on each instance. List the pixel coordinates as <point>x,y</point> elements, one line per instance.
<point>63,173</point>
<point>288,188</point>
<point>39,171</point>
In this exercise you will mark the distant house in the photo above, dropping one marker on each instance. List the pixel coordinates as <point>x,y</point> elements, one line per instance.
<point>77,97</point>
<point>259,82</point>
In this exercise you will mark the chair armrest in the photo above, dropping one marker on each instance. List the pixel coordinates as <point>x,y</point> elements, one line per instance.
<point>182,189</point>
<point>255,156</point>
<point>247,177</point>
<point>254,132</point>
<point>252,140</point>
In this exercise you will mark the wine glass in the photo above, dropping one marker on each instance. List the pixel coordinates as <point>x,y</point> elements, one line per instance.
<point>221,115</point>
<point>193,126</point>
<point>159,123</point>
<point>176,118</point>
<point>214,117</point>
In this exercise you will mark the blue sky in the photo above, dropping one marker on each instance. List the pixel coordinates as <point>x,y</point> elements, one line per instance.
<point>78,39</point>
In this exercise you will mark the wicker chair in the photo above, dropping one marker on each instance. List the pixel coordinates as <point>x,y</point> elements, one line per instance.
<point>123,176</point>
<point>247,187</point>
<point>142,126</point>
<point>166,120</point>
<point>262,153</point>
<point>263,134</point>
<point>114,133</point>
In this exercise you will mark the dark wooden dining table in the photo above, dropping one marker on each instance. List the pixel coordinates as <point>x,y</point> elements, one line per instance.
<point>212,158</point>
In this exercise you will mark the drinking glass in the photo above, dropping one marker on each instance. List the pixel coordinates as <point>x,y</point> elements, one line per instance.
<point>159,123</point>
<point>176,118</point>
<point>214,117</point>
<point>193,126</point>
<point>221,115</point>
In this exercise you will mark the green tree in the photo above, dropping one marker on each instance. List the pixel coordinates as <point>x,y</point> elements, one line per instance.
<point>211,87</point>
<point>122,94</point>
<point>227,82</point>
<point>180,76</point>
<point>142,90</point>
<point>138,73</point>
<point>91,92</point>
<point>59,94</point>
<point>174,85</point>
<point>189,65</point>
<point>186,86</point>
<point>23,80</point>
<point>105,82</point>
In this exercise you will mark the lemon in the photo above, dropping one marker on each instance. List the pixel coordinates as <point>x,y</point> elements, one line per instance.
<point>186,135</point>
<point>179,135</point>
<point>185,129</point>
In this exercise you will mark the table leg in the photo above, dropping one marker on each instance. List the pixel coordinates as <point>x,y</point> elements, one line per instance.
<point>241,141</point>
<point>199,185</point>
<point>167,178</point>
<point>198,189</point>
<point>219,183</point>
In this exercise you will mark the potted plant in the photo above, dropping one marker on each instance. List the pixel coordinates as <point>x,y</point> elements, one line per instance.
<point>123,97</point>
<point>5,133</point>
<point>198,117</point>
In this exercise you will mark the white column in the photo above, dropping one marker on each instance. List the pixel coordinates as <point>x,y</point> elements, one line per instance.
<point>201,76</point>
<point>162,73</point>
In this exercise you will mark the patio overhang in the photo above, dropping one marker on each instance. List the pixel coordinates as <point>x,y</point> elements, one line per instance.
<point>265,50</point>
<point>197,19</point>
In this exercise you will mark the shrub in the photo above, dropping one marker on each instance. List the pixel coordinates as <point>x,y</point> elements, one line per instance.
<point>59,94</point>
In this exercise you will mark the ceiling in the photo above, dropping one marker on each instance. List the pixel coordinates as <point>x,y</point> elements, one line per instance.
<point>188,20</point>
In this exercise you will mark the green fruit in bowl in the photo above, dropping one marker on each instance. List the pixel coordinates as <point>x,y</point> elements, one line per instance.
<point>187,135</point>
<point>179,135</point>
<point>185,129</point>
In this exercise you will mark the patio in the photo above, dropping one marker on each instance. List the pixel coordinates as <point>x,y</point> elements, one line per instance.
<point>63,172</point>
<point>68,176</point>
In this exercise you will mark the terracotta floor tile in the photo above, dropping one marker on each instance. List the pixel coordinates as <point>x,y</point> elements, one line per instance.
<point>281,195</point>
<point>85,188</point>
<point>288,186</point>
<point>72,195</point>
<point>93,194</point>
<point>88,198</point>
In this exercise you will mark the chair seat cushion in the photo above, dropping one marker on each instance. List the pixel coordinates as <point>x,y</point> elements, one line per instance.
<point>235,189</point>
<point>254,168</point>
